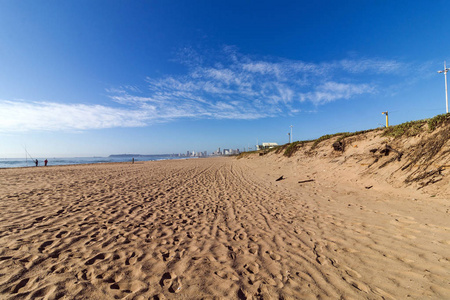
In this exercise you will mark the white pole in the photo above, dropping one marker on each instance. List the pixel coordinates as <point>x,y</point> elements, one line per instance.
<point>446,94</point>
<point>292,138</point>
<point>445,77</point>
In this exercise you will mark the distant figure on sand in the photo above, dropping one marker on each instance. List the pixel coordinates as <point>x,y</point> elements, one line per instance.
<point>45,162</point>
<point>132,160</point>
<point>37,162</point>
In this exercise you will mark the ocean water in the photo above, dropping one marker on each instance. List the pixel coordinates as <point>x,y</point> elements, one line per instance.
<point>22,162</point>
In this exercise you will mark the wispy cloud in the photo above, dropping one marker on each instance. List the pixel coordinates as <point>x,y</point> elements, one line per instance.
<point>255,88</point>
<point>25,116</point>
<point>331,91</point>
<point>377,66</point>
<point>225,85</point>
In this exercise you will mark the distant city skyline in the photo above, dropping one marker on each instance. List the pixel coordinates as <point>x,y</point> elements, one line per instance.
<point>103,77</point>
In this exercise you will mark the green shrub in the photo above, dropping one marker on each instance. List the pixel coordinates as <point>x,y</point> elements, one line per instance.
<point>325,137</point>
<point>291,148</point>
<point>413,128</point>
<point>434,122</point>
<point>349,134</point>
<point>276,148</point>
<point>407,129</point>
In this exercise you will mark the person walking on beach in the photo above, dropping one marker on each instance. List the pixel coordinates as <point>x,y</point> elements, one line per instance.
<point>37,162</point>
<point>45,162</point>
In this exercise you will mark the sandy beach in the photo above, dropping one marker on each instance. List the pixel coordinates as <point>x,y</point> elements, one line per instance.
<point>218,228</point>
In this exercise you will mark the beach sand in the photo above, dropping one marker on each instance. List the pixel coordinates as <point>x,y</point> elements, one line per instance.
<point>218,228</point>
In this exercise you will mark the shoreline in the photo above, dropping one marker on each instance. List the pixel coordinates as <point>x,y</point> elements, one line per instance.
<point>94,163</point>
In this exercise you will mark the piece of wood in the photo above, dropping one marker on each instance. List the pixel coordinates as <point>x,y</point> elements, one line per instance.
<point>303,181</point>
<point>281,178</point>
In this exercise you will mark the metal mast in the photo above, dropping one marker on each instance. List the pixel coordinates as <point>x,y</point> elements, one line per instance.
<point>292,138</point>
<point>446,94</point>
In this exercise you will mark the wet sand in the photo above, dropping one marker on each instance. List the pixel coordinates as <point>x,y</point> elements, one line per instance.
<point>217,228</point>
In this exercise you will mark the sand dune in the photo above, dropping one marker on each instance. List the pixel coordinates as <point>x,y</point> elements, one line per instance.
<point>217,228</point>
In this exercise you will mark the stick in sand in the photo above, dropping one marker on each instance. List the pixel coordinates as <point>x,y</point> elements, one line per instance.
<point>303,181</point>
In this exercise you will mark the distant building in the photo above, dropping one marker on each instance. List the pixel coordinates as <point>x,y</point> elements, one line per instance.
<point>266,146</point>
<point>230,151</point>
<point>217,152</point>
<point>195,154</point>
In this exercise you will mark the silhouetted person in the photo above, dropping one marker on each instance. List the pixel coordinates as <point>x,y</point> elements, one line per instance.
<point>45,162</point>
<point>37,162</point>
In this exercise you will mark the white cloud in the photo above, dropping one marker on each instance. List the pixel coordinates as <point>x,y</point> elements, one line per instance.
<point>331,91</point>
<point>26,116</point>
<point>263,87</point>
<point>229,86</point>
<point>378,66</point>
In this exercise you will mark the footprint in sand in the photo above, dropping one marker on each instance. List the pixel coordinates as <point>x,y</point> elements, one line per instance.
<point>252,267</point>
<point>166,279</point>
<point>171,281</point>
<point>45,245</point>
<point>82,275</point>
<point>176,286</point>
<point>253,249</point>
<point>114,286</point>
<point>20,285</point>
<point>95,258</point>
<point>61,233</point>
<point>5,258</point>
<point>273,255</point>
<point>131,260</point>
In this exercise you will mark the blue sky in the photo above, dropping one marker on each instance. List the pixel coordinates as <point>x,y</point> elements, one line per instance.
<point>93,78</point>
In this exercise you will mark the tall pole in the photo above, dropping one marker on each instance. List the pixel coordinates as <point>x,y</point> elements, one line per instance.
<point>291,137</point>
<point>446,94</point>
<point>445,75</point>
<point>387,118</point>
